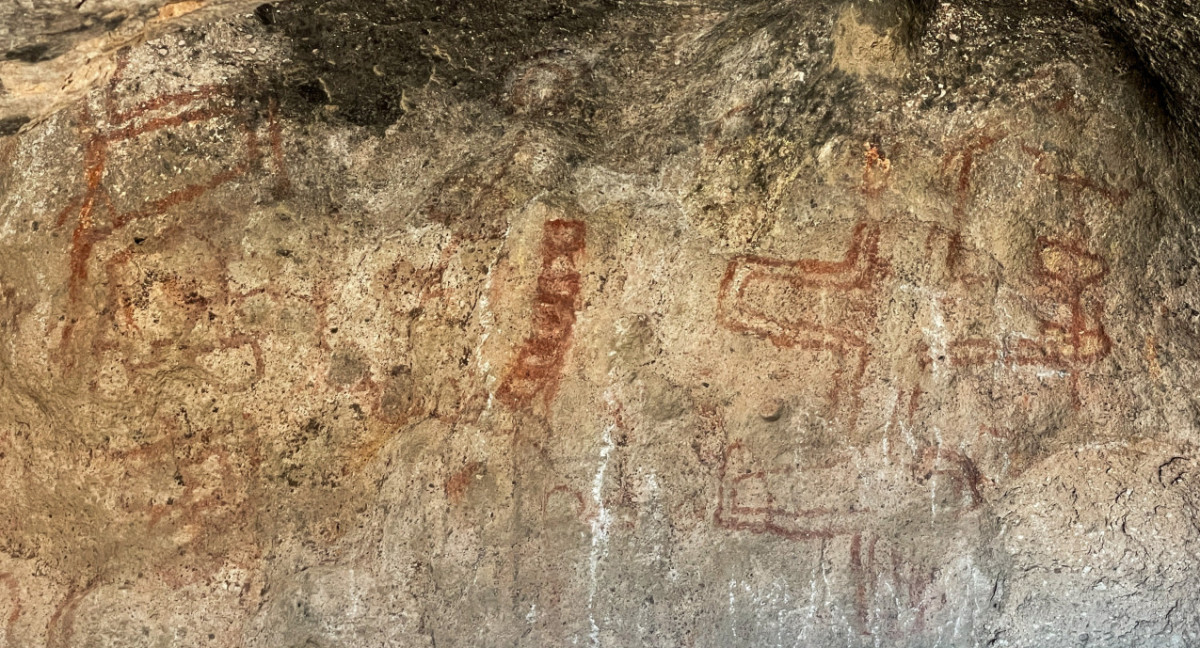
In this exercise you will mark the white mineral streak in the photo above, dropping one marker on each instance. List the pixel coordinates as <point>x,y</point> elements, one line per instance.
<point>937,465</point>
<point>935,336</point>
<point>599,523</point>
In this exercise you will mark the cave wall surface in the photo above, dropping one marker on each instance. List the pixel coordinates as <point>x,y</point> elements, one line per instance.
<point>792,323</point>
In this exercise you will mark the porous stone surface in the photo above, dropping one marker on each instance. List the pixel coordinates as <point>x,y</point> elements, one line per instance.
<point>54,51</point>
<point>605,324</point>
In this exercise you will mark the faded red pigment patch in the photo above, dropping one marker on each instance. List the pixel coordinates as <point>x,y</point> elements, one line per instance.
<point>198,106</point>
<point>14,613</point>
<point>574,497</point>
<point>537,368</point>
<point>877,171</point>
<point>888,572</point>
<point>457,485</point>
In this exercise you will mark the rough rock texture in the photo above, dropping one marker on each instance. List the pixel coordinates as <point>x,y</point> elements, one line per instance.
<point>53,51</point>
<point>711,324</point>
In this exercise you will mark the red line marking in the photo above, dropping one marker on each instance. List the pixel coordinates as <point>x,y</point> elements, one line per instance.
<point>768,519</point>
<point>61,626</point>
<point>1076,182</point>
<point>848,284</point>
<point>868,562</point>
<point>862,573</point>
<point>174,99</point>
<point>11,622</point>
<point>88,232</point>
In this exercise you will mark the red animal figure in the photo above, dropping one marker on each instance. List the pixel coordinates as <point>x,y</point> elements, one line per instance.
<point>810,304</point>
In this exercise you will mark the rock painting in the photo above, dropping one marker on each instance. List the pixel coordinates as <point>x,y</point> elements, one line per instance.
<point>812,305</point>
<point>536,370</point>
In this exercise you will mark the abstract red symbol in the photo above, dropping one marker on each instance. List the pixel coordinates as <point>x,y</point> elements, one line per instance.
<point>162,113</point>
<point>882,572</point>
<point>960,180</point>
<point>810,304</point>
<point>825,500</point>
<point>1069,309</point>
<point>1076,183</point>
<point>892,587</point>
<point>1077,337</point>
<point>538,365</point>
<point>1067,302</point>
<point>779,501</point>
<point>965,155</point>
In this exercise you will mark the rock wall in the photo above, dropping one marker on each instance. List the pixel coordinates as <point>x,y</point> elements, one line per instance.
<point>711,324</point>
<point>52,52</point>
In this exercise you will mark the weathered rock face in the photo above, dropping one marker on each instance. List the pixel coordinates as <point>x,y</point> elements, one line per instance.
<point>776,324</point>
<point>54,51</point>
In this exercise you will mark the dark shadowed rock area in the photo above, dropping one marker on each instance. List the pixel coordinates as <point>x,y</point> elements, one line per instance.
<point>720,323</point>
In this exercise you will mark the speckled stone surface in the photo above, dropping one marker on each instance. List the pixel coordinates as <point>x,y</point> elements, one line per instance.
<point>644,324</point>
